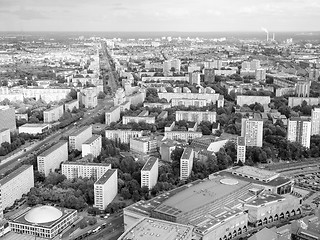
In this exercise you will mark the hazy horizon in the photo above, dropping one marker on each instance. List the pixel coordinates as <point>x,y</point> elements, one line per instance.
<point>160,16</point>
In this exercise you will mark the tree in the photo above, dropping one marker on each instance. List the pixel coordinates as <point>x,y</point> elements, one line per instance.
<point>101,95</point>
<point>73,93</point>
<point>92,221</point>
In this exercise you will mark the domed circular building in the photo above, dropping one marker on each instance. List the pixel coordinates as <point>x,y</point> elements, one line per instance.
<point>43,221</point>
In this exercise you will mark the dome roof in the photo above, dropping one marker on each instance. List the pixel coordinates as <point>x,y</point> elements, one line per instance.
<point>229,181</point>
<point>43,214</point>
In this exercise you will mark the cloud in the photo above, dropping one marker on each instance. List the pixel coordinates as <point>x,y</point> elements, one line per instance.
<point>29,14</point>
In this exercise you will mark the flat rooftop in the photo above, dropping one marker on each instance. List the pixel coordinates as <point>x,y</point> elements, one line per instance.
<point>79,130</point>
<point>53,148</point>
<point>3,130</point>
<point>35,125</point>
<point>186,153</point>
<point>110,110</point>
<point>265,198</point>
<point>14,174</point>
<point>198,195</point>
<point>256,173</point>
<point>92,139</point>
<point>87,164</point>
<point>149,164</point>
<point>52,108</point>
<point>154,229</point>
<point>105,177</point>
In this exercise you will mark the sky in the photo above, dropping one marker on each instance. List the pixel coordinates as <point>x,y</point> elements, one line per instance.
<point>160,15</point>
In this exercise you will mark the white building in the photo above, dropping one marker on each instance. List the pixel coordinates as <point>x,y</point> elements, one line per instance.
<point>252,130</point>
<point>17,183</point>
<point>112,115</point>
<point>89,97</point>
<point>315,121</point>
<point>50,160</point>
<point>241,149</point>
<point>5,135</point>
<point>137,119</point>
<point>106,189</point>
<point>188,102</point>
<point>74,170</point>
<point>122,135</point>
<point>34,128</point>
<point>196,116</point>
<point>79,136</point>
<point>260,74</point>
<point>299,130</point>
<point>186,163</point>
<point>143,145</point>
<point>53,114</point>
<point>92,146</point>
<point>149,173</point>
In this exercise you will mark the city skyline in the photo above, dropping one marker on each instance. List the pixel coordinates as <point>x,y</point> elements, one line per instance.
<point>143,15</point>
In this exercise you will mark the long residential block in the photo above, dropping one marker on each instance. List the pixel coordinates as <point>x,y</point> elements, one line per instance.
<point>74,170</point>
<point>51,159</point>
<point>17,183</point>
<point>79,136</point>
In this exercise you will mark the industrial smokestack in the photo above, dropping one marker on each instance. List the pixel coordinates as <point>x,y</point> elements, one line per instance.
<point>266,31</point>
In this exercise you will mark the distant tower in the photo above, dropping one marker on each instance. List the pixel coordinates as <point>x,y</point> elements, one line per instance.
<point>273,37</point>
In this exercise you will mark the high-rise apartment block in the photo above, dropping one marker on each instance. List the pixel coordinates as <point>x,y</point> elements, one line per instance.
<point>79,136</point>
<point>106,189</point>
<point>299,130</point>
<point>74,170</point>
<point>194,78</point>
<point>196,116</point>
<point>303,88</point>
<point>169,65</point>
<point>89,97</point>
<point>255,64</point>
<point>315,121</point>
<point>260,74</point>
<point>5,135</point>
<point>51,159</point>
<point>112,115</point>
<point>92,146</point>
<point>7,118</point>
<point>241,149</point>
<point>186,163</point>
<point>14,185</point>
<point>252,131</point>
<point>149,173</point>
<point>209,75</point>
<point>53,114</point>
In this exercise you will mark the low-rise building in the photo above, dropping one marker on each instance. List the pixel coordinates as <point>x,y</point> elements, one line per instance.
<point>14,185</point>
<point>122,135</point>
<point>34,128</point>
<point>74,104</point>
<point>106,189</point>
<point>143,145</point>
<point>186,163</point>
<point>196,116</point>
<point>92,146</point>
<point>79,136</point>
<point>5,135</point>
<point>74,170</point>
<point>149,173</point>
<point>53,114</point>
<point>142,117</point>
<point>50,160</point>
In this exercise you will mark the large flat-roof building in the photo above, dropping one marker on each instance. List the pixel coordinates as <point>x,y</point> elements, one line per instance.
<point>149,173</point>
<point>216,206</point>
<point>106,189</point>
<point>53,114</point>
<point>188,102</point>
<point>17,183</point>
<point>74,170</point>
<point>186,163</point>
<point>43,221</point>
<point>5,135</point>
<point>299,130</point>
<point>89,97</point>
<point>155,229</point>
<point>92,146</point>
<point>122,135</point>
<point>137,119</point>
<point>51,159</point>
<point>7,118</point>
<point>196,116</point>
<point>79,136</point>
<point>74,104</point>
<point>112,115</point>
<point>34,128</point>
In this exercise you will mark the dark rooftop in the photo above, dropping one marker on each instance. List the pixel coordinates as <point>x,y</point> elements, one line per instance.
<point>105,177</point>
<point>14,174</point>
<point>79,130</point>
<point>53,148</point>
<point>149,164</point>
